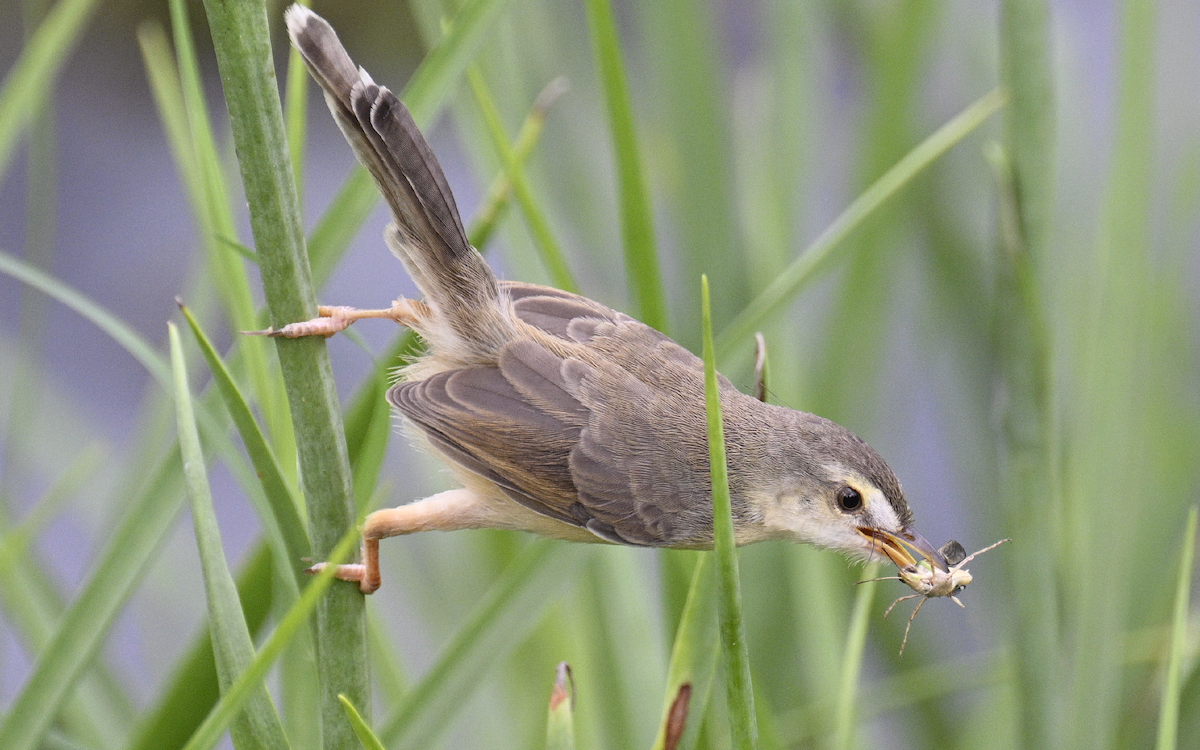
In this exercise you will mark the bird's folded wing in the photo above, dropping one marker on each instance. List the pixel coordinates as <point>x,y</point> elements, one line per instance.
<point>541,427</point>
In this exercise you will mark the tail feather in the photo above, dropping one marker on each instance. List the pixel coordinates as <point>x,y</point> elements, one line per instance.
<point>427,234</point>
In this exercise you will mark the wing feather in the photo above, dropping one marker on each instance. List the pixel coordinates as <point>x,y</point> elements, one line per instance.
<point>541,426</point>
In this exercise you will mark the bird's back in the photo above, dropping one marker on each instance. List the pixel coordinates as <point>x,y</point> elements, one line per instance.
<point>539,423</point>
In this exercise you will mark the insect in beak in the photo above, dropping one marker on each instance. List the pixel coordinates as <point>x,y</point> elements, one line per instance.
<point>896,547</point>
<point>928,581</point>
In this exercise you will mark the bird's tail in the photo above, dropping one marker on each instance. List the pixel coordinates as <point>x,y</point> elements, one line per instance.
<point>427,234</point>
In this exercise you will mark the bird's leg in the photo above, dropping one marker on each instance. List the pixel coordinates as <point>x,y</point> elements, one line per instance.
<point>446,511</point>
<point>333,319</point>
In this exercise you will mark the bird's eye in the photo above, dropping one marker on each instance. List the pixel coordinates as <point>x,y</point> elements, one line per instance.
<point>849,499</point>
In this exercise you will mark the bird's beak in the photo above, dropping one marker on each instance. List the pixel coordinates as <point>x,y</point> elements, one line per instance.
<point>896,547</point>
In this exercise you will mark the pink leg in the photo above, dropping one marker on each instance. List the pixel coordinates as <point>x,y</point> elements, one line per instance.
<point>333,319</point>
<point>445,511</point>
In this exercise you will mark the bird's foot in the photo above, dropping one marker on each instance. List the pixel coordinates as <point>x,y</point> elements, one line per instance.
<point>337,318</point>
<point>354,572</point>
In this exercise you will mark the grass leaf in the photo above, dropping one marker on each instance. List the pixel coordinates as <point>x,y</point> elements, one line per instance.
<point>101,318</point>
<point>258,725</point>
<point>361,728</point>
<point>804,268</point>
<point>693,659</point>
<point>1168,714</point>
<point>1032,481</point>
<point>196,147</point>
<point>232,700</point>
<point>856,641</point>
<point>637,214</point>
<point>81,630</point>
<point>243,47</point>
<point>560,721</point>
<point>512,606</point>
<point>193,689</point>
<point>742,720</point>
<point>30,80</point>
<point>550,251</point>
<point>285,509</point>
<point>483,223</point>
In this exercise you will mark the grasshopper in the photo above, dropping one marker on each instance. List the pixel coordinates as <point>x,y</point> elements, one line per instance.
<point>929,581</point>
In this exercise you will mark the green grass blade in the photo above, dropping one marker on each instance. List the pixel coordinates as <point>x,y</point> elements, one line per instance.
<point>211,202</point>
<point>369,420</point>
<point>15,541</point>
<point>115,328</point>
<point>97,315</point>
<point>431,84</point>
<point>548,248</point>
<point>243,47</point>
<point>690,97</point>
<point>163,76</point>
<point>99,710</point>
<point>285,510</point>
<point>296,114</point>
<point>560,719</point>
<point>856,642</point>
<point>372,442</point>
<point>637,214</point>
<point>193,689</point>
<point>31,78</point>
<point>196,147</point>
<point>82,628</point>
<point>789,283</point>
<point>489,213</point>
<point>386,668</point>
<point>1115,440</point>
<point>39,248</point>
<point>693,655</point>
<point>733,630</point>
<point>623,658</point>
<point>483,223</point>
<point>361,728</point>
<point>512,606</point>
<point>1031,478</point>
<point>297,616</point>
<point>1026,67</point>
<point>1168,714</point>
<point>91,614</point>
<point>258,725</point>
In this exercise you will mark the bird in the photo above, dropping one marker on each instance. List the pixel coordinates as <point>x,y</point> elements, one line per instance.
<point>561,416</point>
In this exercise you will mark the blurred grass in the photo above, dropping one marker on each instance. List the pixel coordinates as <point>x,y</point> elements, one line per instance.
<point>743,725</point>
<point>1017,334</point>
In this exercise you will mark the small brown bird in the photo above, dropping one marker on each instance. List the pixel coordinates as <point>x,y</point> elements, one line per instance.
<point>566,418</point>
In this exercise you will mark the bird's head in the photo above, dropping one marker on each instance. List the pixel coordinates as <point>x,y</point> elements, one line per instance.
<point>832,490</point>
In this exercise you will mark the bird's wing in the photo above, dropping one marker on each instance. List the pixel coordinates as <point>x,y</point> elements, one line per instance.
<point>546,427</point>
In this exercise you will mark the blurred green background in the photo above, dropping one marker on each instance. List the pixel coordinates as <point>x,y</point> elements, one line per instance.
<point>1015,331</point>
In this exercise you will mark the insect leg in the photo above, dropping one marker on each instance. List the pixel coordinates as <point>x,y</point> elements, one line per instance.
<point>888,611</point>
<point>911,617</point>
<point>973,555</point>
